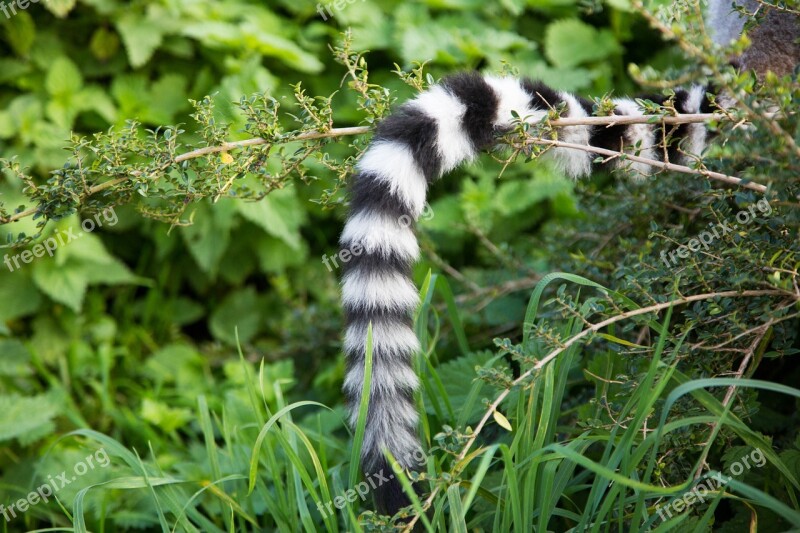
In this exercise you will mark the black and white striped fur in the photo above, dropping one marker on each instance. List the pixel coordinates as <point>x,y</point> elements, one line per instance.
<point>440,129</point>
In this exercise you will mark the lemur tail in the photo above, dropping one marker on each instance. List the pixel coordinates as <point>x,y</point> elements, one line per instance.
<point>423,140</point>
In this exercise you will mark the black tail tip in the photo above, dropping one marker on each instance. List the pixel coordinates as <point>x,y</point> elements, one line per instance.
<point>390,497</point>
<point>389,494</point>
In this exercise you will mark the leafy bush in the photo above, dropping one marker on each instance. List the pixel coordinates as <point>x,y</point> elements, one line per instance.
<point>192,334</point>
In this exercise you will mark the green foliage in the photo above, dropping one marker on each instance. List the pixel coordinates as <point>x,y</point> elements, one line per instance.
<point>196,338</point>
<point>27,419</point>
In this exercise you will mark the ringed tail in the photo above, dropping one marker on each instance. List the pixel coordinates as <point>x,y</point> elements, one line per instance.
<point>424,139</point>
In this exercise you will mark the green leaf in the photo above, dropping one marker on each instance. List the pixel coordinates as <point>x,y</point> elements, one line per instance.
<point>167,418</point>
<point>83,247</point>
<point>16,359</point>
<point>131,93</point>
<point>110,273</point>
<point>23,416</point>
<point>18,294</point>
<point>65,284</point>
<point>275,256</point>
<point>26,113</point>
<point>140,36</point>
<point>249,35</point>
<point>570,42</point>
<point>63,77</point>
<point>20,33</point>
<point>457,513</point>
<point>477,202</point>
<point>515,7</point>
<point>280,214</point>
<point>254,457</point>
<point>513,197</point>
<point>185,311</point>
<point>104,44</point>
<point>447,217</point>
<point>622,5</point>
<point>458,377</point>
<point>617,340</point>
<point>501,420</point>
<point>285,50</point>
<point>420,42</point>
<point>792,460</point>
<point>565,78</point>
<point>63,83</point>
<point>94,98</point>
<point>13,69</point>
<point>174,362</point>
<point>59,8</point>
<point>240,310</point>
<point>455,4</point>
<point>168,97</point>
<point>207,238</point>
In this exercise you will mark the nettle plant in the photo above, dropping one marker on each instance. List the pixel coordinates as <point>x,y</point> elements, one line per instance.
<point>650,412</point>
<point>148,166</point>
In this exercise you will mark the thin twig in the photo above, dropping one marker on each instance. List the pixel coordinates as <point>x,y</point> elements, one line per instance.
<point>444,265</point>
<point>92,190</point>
<point>236,145</point>
<point>776,8</point>
<point>555,353</point>
<point>764,329</point>
<point>616,120</point>
<point>652,162</point>
<point>613,120</point>
<point>495,291</point>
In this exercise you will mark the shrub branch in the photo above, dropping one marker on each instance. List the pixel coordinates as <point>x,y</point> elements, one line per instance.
<point>593,328</point>
<point>730,180</point>
<point>608,121</point>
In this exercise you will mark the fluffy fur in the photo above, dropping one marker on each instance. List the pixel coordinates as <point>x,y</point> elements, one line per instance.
<point>775,42</point>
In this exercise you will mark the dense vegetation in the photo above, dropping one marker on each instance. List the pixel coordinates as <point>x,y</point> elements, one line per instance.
<point>179,349</point>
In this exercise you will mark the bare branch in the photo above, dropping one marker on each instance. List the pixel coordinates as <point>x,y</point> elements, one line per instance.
<point>652,162</point>
<point>776,7</point>
<point>236,145</point>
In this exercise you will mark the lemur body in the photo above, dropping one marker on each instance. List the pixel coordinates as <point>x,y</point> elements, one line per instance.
<point>427,137</point>
<point>775,42</point>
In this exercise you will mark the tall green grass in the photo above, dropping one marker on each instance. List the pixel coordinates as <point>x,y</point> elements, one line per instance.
<point>265,464</point>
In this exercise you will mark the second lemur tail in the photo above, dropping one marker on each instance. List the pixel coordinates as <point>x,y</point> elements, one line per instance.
<point>424,139</point>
